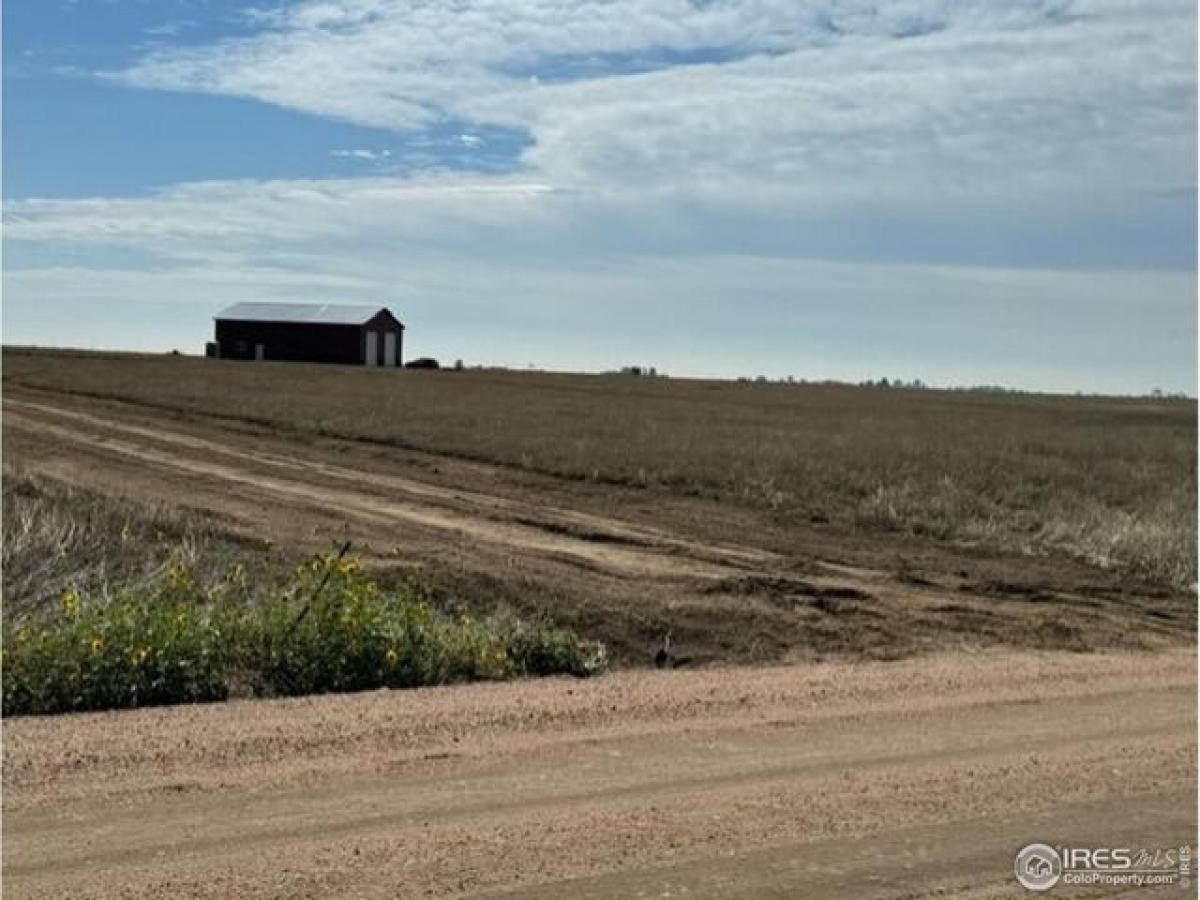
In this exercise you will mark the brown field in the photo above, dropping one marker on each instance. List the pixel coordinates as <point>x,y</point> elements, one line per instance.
<point>1110,481</point>
<point>978,611</point>
<point>896,521</point>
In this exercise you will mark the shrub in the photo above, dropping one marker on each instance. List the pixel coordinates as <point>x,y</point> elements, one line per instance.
<point>330,628</point>
<point>549,651</point>
<point>133,651</point>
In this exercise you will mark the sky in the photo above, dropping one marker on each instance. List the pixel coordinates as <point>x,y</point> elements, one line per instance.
<point>968,192</point>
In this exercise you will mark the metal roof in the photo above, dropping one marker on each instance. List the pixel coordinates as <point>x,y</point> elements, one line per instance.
<point>327,313</point>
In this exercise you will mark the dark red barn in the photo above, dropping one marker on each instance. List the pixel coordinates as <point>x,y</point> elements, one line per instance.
<point>309,332</point>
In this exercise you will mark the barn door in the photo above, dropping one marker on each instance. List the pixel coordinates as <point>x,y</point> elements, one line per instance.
<point>389,348</point>
<point>371,354</point>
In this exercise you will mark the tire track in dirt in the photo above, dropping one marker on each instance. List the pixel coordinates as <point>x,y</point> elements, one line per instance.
<point>608,543</point>
<point>604,528</point>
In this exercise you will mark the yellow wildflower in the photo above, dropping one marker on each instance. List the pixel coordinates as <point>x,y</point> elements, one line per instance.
<point>180,576</point>
<point>392,657</point>
<point>97,643</point>
<point>70,601</point>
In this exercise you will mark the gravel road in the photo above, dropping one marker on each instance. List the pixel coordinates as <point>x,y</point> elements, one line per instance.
<point>905,779</point>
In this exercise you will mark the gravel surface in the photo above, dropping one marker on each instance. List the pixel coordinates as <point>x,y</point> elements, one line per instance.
<point>911,778</point>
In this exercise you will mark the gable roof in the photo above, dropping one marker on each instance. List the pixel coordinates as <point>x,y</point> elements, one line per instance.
<point>323,313</point>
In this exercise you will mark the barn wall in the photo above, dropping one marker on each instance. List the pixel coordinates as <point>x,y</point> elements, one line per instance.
<point>298,342</point>
<point>383,323</point>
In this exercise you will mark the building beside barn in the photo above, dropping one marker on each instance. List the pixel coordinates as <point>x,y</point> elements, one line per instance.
<point>309,332</point>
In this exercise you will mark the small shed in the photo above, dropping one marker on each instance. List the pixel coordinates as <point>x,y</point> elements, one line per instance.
<point>309,332</point>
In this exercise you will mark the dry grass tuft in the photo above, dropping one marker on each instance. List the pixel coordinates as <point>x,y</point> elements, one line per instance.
<point>59,538</point>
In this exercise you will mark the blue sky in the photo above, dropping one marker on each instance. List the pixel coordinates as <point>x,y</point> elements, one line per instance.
<point>965,192</point>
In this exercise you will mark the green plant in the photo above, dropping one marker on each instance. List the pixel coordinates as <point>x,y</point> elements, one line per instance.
<point>135,650</point>
<point>329,628</point>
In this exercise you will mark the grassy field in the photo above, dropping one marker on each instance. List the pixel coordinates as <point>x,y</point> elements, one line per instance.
<point>111,605</point>
<point>1112,481</point>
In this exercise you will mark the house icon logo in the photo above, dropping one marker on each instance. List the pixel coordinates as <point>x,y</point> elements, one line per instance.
<point>1038,867</point>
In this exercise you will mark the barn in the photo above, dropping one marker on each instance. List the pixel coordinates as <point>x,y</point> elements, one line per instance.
<point>309,332</point>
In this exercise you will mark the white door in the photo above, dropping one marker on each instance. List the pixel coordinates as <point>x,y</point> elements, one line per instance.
<point>371,356</point>
<point>389,348</point>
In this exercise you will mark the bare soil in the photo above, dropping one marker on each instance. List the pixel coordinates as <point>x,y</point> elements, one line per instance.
<point>619,564</point>
<point>906,779</point>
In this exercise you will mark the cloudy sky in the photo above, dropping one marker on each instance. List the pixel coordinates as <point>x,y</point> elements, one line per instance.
<point>965,192</point>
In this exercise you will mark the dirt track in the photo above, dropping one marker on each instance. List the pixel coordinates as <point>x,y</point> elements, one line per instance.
<point>603,541</point>
<point>883,779</point>
<point>624,566</point>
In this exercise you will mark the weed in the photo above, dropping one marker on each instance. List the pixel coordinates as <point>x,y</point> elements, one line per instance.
<point>173,640</point>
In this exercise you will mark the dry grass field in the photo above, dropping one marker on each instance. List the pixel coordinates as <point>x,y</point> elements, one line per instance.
<point>751,521</point>
<point>58,537</point>
<point>977,609</point>
<point>1108,481</point>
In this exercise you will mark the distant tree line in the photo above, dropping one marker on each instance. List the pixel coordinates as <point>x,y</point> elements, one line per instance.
<point>913,384</point>
<point>639,372</point>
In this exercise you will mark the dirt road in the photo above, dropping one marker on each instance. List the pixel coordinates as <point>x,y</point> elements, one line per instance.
<point>624,566</point>
<point>522,527</point>
<point>906,779</point>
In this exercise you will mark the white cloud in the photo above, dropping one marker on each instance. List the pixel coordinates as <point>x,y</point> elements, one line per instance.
<point>368,155</point>
<point>275,212</point>
<point>837,98</point>
<point>168,29</point>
